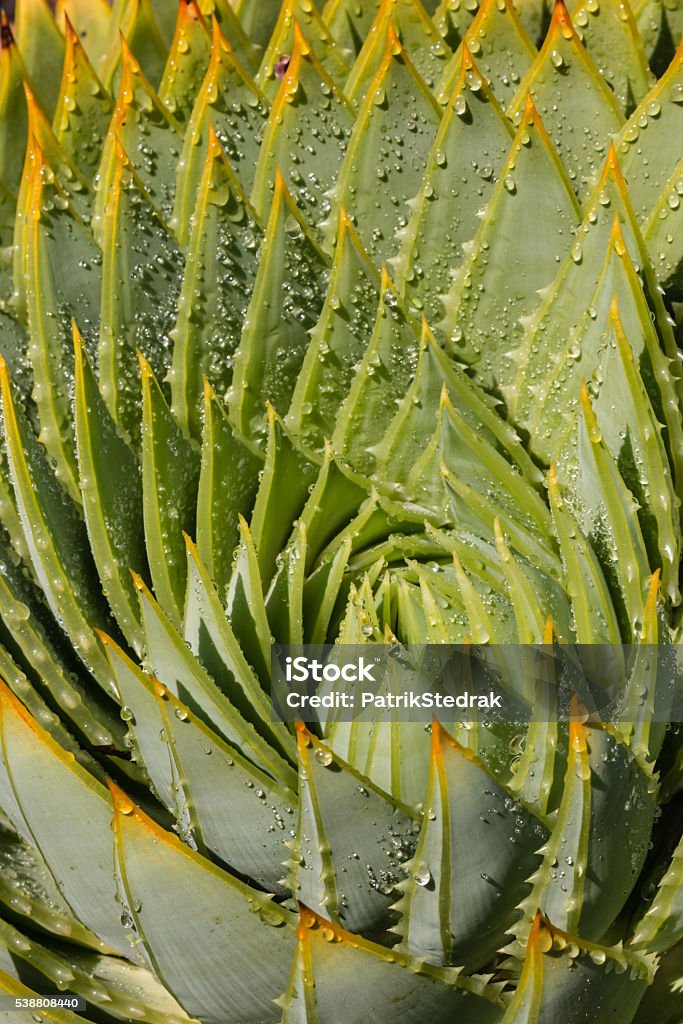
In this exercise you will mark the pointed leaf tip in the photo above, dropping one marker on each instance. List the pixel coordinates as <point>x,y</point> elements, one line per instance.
<point>70,32</point>
<point>441,738</point>
<point>394,45</point>
<point>585,399</point>
<point>438,736</point>
<point>138,581</point>
<point>6,34</point>
<point>386,282</point>
<point>549,632</point>
<point>562,20</point>
<point>531,114</point>
<point>344,219</point>
<point>300,46</point>
<point>121,801</point>
<point>32,104</point>
<point>129,64</point>
<point>145,369</point>
<point>76,335</point>
<point>540,936</point>
<point>535,930</point>
<point>614,315</point>
<point>303,736</point>
<point>578,714</point>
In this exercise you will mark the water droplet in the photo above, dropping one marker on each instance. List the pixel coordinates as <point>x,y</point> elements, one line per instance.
<point>422,875</point>
<point>125,805</point>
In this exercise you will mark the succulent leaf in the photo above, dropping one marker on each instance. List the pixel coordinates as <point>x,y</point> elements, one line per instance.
<point>305,137</point>
<point>130,275</point>
<point>610,34</point>
<point>470,146</point>
<point>138,124</point>
<point>112,497</point>
<point>319,37</point>
<point>285,304</point>
<point>42,48</point>
<point>486,299</point>
<point>187,62</point>
<point>332,864</point>
<point>331,963</point>
<point>550,987</point>
<point>574,875</point>
<point>158,872</point>
<point>500,46</point>
<point>360,359</point>
<point>396,103</point>
<point>228,481</point>
<point>337,341</point>
<point>136,33</point>
<point>92,23</point>
<point>230,104</point>
<point>83,863</point>
<point>56,538</point>
<point>607,514</point>
<point>84,106</point>
<point>171,662</point>
<point>568,89</point>
<point>460,901</point>
<point>169,494</point>
<point>661,111</point>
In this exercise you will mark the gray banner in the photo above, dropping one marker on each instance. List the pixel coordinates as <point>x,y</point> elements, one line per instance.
<point>503,683</point>
<point>34,1004</point>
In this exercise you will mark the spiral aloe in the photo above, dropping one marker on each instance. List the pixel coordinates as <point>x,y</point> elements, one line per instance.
<point>336,323</point>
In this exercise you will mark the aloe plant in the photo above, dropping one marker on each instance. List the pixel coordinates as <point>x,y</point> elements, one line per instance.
<point>346,323</point>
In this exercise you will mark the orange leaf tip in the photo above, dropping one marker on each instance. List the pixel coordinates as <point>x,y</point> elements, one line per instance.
<point>394,46</point>
<point>6,34</point>
<point>549,631</point>
<point>145,368</point>
<point>561,20</point>
<point>121,801</point>
<point>138,581</point>
<point>300,47</point>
